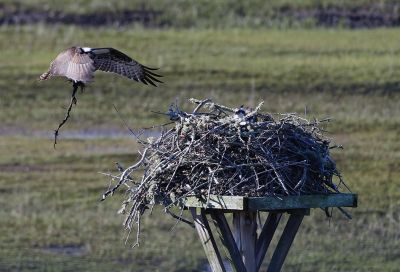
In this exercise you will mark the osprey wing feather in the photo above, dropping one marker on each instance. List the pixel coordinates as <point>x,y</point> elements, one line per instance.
<point>112,60</point>
<point>79,64</point>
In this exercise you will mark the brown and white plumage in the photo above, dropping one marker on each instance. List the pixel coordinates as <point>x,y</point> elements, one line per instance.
<point>79,64</point>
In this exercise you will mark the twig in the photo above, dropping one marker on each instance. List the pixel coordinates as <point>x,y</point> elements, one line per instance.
<point>71,103</point>
<point>179,218</point>
<point>124,176</point>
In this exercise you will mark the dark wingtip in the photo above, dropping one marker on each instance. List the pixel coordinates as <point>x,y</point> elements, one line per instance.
<point>148,80</point>
<point>143,80</point>
<point>152,83</point>
<point>153,74</point>
<point>149,76</point>
<point>150,68</point>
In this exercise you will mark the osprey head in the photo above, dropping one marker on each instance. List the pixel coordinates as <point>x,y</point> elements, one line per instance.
<point>86,49</point>
<point>82,50</point>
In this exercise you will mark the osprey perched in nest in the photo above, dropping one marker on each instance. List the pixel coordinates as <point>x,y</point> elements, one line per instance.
<point>78,64</point>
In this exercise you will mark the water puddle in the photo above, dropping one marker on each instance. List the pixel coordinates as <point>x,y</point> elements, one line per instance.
<point>82,134</point>
<point>71,250</point>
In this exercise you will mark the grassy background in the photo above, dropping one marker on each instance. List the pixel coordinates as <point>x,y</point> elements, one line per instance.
<point>51,218</point>
<point>326,70</point>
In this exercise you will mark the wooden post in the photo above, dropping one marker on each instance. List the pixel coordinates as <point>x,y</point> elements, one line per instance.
<point>285,242</point>
<point>245,234</point>
<point>245,251</point>
<point>228,241</point>
<point>207,239</point>
<point>266,235</point>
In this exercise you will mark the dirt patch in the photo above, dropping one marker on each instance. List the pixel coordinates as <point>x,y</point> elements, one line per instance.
<point>368,16</point>
<point>365,16</point>
<point>22,16</point>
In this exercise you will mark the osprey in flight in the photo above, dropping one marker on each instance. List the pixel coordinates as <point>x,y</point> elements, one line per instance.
<point>79,64</point>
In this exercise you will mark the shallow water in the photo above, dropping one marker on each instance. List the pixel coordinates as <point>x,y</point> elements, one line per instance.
<point>82,134</point>
<point>72,250</point>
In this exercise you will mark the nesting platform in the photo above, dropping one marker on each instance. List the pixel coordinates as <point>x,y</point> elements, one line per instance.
<point>244,248</point>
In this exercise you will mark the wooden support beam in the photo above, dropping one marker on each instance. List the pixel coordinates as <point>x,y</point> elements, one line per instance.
<point>282,249</point>
<point>271,203</point>
<point>245,234</point>
<point>265,237</point>
<point>301,202</point>
<point>243,249</point>
<point>216,202</point>
<point>299,211</point>
<point>228,241</point>
<point>207,239</point>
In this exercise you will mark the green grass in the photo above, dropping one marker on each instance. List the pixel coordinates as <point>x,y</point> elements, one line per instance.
<point>50,198</point>
<point>350,75</point>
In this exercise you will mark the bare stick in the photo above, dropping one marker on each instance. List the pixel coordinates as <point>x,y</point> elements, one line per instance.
<point>71,103</point>
<point>179,218</point>
<point>124,176</point>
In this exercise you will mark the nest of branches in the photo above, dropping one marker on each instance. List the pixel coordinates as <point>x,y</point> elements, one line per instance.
<point>217,150</point>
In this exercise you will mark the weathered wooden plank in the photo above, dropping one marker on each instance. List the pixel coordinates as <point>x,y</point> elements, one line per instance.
<point>297,211</point>
<point>236,230</point>
<point>228,241</point>
<point>216,202</point>
<point>207,239</point>
<point>272,203</point>
<point>245,233</point>
<point>301,202</point>
<point>286,240</point>
<point>266,236</point>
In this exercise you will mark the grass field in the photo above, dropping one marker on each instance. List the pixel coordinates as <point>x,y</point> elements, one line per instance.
<point>51,218</point>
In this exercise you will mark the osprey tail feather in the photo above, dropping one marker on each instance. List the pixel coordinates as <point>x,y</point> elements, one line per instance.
<point>45,75</point>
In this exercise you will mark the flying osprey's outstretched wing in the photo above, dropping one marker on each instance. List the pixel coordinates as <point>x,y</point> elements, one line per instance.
<point>72,64</point>
<point>112,60</point>
<point>79,64</point>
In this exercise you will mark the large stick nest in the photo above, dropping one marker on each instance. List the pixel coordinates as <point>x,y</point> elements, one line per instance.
<point>225,151</point>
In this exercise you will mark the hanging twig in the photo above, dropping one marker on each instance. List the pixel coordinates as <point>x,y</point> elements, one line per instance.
<point>71,103</point>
